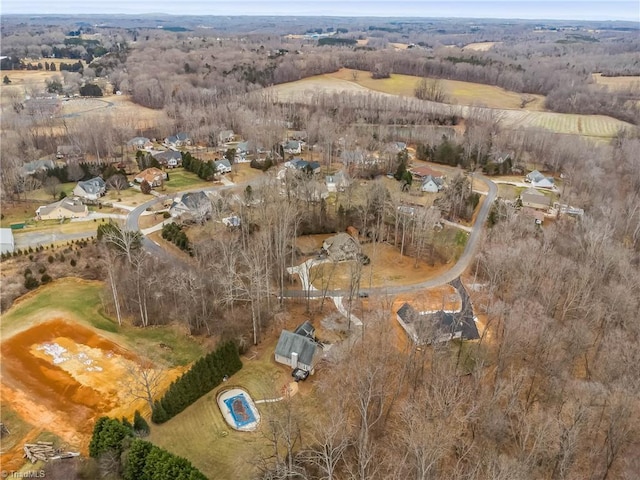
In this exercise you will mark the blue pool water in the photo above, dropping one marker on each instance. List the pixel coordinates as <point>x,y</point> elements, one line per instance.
<point>240,410</point>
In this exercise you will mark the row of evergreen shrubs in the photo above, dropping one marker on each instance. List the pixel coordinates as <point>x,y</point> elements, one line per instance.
<point>140,459</point>
<point>204,169</point>
<point>174,233</point>
<point>207,373</point>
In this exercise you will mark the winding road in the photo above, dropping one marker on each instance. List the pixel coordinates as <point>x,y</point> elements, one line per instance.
<point>442,279</point>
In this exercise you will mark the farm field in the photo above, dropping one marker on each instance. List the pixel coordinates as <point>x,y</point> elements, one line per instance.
<point>593,126</point>
<point>618,83</point>
<point>459,93</point>
<point>480,46</point>
<point>65,363</point>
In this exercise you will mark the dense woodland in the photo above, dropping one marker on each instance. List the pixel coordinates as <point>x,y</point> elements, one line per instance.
<point>550,391</point>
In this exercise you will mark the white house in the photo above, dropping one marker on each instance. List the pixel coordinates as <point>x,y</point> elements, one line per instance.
<point>178,140</point>
<point>431,184</point>
<point>91,189</point>
<point>292,147</point>
<point>226,136</point>
<point>168,158</point>
<point>337,182</point>
<point>140,143</point>
<point>538,180</point>
<point>222,166</point>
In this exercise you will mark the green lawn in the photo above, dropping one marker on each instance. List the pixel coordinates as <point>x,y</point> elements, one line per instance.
<point>180,179</point>
<point>82,300</point>
<point>201,434</point>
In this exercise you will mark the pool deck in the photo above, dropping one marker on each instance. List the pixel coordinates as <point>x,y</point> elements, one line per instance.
<point>228,416</point>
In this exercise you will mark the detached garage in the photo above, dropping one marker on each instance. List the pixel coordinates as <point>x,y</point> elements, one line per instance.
<point>7,244</point>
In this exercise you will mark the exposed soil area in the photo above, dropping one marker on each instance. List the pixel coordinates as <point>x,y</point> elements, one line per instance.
<point>61,377</point>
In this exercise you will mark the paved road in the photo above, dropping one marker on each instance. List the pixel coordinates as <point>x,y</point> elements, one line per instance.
<point>442,279</point>
<point>153,248</point>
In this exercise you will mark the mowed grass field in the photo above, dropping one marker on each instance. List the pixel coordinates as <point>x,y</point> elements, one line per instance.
<point>201,434</point>
<point>458,93</point>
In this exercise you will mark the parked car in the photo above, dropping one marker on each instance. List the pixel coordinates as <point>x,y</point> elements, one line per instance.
<point>299,374</point>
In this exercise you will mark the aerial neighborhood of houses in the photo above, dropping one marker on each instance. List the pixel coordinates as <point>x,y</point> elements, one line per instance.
<point>298,168</point>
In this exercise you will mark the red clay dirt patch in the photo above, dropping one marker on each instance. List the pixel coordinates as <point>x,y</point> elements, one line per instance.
<point>60,377</point>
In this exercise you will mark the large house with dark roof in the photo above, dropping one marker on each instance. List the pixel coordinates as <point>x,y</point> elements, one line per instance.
<point>298,349</point>
<point>90,189</point>
<point>440,326</point>
<point>193,206</point>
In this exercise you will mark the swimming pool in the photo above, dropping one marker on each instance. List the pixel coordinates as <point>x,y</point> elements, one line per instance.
<point>238,409</point>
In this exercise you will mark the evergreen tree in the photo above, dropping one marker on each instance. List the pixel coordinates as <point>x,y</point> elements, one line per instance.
<point>140,425</point>
<point>136,459</point>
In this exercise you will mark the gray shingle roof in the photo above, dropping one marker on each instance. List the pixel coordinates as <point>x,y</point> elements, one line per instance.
<point>93,186</point>
<point>290,342</point>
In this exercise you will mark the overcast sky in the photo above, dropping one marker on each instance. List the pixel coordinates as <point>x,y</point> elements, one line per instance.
<point>540,9</point>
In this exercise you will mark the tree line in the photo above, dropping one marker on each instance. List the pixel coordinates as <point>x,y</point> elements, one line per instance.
<point>118,452</point>
<point>206,373</point>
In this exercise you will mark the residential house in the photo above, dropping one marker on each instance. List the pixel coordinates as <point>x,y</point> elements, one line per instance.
<point>65,208</point>
<point>192,207</point>
<point>292,147</point>
<point>7,243</point>
<point>153,176</point>
<point>232,221</point>
<point>168,158</point>
<point>140,143</point>
<point>242,148</point>
<point>338,182</point>
<point>222,166</point>
<point>36,166</point>
<point>300,135</point>
<point>533,199</point>
<point>90,189</point>
<point>299,164</point>
<point>68,151</point>
<point>298,350</point>
<point>425,171</point>
<point>440,326</point>
<point>226,136</point>
<point>341,247</point>
<point>178,140</point>
<point>539,180</point>
<point>431,184</point>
